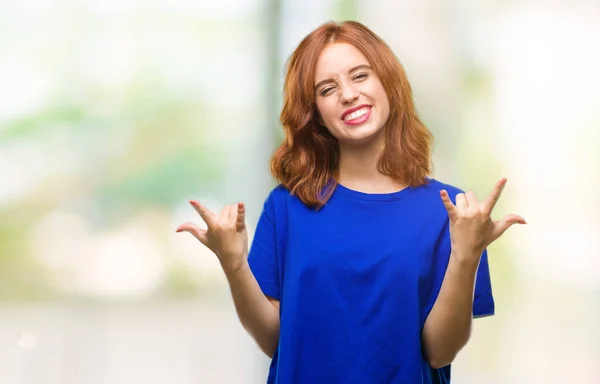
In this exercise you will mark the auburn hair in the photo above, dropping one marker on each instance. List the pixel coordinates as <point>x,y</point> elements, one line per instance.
<point>307,161</point>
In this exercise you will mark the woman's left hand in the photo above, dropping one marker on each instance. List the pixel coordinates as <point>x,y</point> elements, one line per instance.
<point>471,226</point>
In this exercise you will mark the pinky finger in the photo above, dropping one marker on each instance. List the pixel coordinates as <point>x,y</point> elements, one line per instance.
<point>450,207</point>
<point>241,217</point>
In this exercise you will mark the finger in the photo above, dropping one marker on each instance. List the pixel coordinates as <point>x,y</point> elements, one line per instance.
<point>514,219</point>
<point>502,225</point>
<point>241,217</point>
<point>232,213</point>
<point>461,201</point>
<point>195,230</point>
<point>450,207</point>
<point>225,214</point>
<point>493,197</point>
<point>205,213</point>
<point>472,201</point>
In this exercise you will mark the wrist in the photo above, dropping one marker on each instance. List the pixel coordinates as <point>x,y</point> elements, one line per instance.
<point>468,260</point>
<point>233,268</point>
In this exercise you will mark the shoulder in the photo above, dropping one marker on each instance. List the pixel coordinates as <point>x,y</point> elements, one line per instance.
<point>279,195</point>
<point>427,201</point>
<point>278,200</point>
<point>435,186</point>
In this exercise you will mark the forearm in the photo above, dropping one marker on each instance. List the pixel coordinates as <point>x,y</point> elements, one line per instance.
<point>258,316</point>
<point>448,326</point>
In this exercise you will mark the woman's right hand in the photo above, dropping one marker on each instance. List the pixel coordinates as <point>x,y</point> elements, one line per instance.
<point>225,234</point>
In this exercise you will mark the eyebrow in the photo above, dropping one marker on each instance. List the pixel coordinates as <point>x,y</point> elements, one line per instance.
<point>353,69</point>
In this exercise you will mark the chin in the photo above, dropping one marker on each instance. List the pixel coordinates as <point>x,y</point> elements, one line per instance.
<point>362,135</point>
<point>359,140</point>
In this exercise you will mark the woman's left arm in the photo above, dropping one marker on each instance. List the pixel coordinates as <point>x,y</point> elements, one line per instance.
<point>448,325</point>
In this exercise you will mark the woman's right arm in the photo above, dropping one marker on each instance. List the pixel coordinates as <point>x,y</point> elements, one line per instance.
<point>227,237</point>
<point>258,313</point>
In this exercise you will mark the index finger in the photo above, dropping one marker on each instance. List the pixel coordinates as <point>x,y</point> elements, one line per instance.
<point>450,207</point>
<point>204,212</point>
<point>492,199</point>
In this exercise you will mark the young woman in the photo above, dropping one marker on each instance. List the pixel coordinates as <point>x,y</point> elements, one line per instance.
<point>362,268</point>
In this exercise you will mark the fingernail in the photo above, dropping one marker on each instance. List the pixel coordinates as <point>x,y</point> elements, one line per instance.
<point>240,205</point>
<point>193,202</point>
<point>178,230</point>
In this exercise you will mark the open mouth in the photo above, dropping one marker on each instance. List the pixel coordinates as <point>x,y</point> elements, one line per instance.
<point>357,117</point>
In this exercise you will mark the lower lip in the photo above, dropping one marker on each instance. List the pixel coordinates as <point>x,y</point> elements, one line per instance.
<point>359,120</point>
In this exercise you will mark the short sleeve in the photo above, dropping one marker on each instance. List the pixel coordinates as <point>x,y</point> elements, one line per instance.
<point>483,301</point>
<point>262,257</point>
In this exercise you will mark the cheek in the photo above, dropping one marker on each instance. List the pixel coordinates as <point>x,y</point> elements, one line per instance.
<point>327,112</point>
<point>385,105</point>
<point>386,110</point>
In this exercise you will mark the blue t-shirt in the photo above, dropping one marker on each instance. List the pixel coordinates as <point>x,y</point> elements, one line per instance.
<point>356,281</point>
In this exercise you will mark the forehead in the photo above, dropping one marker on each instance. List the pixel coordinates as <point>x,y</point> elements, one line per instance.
<point>336,59</point>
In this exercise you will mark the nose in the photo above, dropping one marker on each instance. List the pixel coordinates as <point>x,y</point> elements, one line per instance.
<point>348,93</point>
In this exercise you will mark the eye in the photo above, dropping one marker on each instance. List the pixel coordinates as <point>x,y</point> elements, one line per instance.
<point>325,91</point>
<point>361,76</point>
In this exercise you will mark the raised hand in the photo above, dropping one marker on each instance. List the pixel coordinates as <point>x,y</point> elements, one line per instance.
<point>471,226</point>
<point>225,234</point>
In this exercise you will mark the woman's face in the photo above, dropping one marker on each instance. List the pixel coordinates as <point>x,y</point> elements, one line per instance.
<point>350,98</point>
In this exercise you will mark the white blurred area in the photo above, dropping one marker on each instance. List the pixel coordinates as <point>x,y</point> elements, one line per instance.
<point>98,99</point>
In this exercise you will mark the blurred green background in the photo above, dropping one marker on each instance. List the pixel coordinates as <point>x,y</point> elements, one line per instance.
<point>113,114</point>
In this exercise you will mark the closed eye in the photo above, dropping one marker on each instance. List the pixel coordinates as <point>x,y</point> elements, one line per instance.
<point>325,91</point>
<point>361,76</point>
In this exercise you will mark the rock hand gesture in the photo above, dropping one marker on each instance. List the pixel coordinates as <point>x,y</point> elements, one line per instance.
<point>471,226</point>
<point>225,234</point>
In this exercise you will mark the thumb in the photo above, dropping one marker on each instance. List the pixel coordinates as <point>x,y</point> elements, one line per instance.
<point>502,225</point>
<point>195,230</point>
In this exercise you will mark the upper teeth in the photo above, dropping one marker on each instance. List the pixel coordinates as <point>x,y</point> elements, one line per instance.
<point>355,114</point>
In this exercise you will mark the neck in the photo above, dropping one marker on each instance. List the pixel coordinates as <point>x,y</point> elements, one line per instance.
<point>358,169</point>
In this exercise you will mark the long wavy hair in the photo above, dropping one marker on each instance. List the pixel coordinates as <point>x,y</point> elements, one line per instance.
<point>307,161</point>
